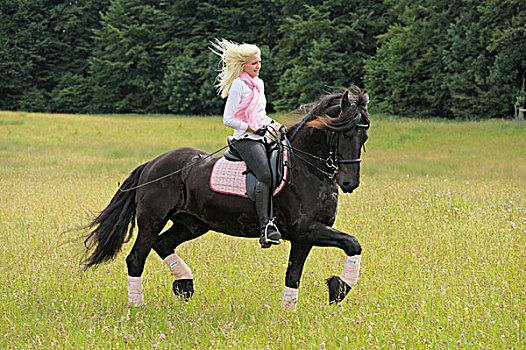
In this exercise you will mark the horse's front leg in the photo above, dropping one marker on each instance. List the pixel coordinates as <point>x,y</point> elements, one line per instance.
<point>298,255</point>
<point>339,286</point>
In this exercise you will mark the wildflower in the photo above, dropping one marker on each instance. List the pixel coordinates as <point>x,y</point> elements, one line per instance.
<point>162,336</point>
<point>154,346</point>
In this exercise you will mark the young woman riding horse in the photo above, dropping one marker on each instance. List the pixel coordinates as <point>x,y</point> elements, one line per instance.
<point>175,187</point>
<point>245,113</point>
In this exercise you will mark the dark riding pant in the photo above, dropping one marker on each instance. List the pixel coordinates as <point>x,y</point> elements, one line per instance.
<point>254,153</point>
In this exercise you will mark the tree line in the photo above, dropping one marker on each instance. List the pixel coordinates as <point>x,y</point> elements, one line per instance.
<point>452,59</point>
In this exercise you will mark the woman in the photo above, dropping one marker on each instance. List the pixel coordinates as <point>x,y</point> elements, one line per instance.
<point>245,113</point>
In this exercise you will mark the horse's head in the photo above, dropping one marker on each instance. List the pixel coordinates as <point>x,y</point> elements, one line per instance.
<point>346,124</point>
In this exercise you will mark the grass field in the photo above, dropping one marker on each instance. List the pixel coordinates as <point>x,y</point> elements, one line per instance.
<point>440,214</point>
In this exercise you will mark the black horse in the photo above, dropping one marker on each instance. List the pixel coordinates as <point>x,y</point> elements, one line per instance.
<point>327,144</point>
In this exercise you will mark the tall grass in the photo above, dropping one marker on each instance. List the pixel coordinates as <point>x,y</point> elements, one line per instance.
<point>440,215</point>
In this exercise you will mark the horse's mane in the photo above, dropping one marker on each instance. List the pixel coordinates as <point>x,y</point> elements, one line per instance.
<point>324,114</point>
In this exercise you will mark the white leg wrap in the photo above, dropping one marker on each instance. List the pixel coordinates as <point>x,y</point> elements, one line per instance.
<point>290,298</point>
<point>351,270</point>
<point>178,267</point>
<point>135,296</point>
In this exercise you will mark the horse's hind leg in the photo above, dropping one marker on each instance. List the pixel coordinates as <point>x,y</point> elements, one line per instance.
<point>165,247</point>
<point>149,229</point>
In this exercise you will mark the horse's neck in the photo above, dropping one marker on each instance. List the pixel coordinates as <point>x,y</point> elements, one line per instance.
<point>312,141</point>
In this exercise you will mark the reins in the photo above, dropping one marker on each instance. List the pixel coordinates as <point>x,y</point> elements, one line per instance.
<point>332,161</point>
<point>294,149</point>
<point>270,129</point>
<point>175,172</point>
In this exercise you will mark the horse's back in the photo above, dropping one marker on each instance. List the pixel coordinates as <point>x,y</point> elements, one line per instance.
<point>172,162</point>
<point>163,177</point>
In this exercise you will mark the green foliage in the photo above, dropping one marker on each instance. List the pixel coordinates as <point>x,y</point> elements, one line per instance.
<point>33,99</point>
<point>41,41</point>
<point>458,60</point>
<point>467,66</point>
<point>21,54</point>
<point>506,21</point>
<point>405,76</point>
<point>72,23</point>
<point>324,45</point>
<point>453,59</point>
<point>127,64</point>
<point>180,86</point>
<point>485,59</point>
<point>208,98</point>
<point>72,94</point>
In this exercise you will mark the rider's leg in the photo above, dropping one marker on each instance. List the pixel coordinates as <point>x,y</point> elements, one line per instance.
<point>254,154</point>
<point>268,229</point>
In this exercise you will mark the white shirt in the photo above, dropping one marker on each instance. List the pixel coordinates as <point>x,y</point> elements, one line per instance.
<point>239,92</point>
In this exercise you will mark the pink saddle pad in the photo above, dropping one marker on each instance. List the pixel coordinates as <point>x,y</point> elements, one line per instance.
<point>227,177</point>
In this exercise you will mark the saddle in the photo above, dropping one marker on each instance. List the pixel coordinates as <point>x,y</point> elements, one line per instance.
<point>231,176</point>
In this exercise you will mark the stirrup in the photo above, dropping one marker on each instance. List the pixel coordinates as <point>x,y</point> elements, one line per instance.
<point>264,240</point>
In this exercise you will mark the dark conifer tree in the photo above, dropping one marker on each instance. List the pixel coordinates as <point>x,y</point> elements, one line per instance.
<point>127,64</point>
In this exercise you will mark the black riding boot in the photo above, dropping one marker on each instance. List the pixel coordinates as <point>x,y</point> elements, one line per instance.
<point>269,232</point>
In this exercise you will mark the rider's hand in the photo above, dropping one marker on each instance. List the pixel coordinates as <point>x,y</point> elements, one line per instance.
<point>282,131</point>
<point>261,131</point>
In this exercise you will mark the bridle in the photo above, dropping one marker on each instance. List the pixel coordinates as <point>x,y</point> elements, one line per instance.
<point>332,162</point>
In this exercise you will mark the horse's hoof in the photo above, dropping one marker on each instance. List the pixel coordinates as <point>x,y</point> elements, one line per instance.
<point>184,288</point>
<point>338,289</point>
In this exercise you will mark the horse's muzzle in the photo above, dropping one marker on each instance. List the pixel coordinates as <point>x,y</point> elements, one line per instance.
<point>349,186</point>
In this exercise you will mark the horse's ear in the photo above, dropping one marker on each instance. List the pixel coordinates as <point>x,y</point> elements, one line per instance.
<point>346,102</point>
<point>366,98</point>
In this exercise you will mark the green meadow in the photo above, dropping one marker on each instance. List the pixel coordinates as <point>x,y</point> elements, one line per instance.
<point>440,214</point>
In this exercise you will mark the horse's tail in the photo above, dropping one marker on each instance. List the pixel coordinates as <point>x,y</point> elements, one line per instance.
<point>111,228</point>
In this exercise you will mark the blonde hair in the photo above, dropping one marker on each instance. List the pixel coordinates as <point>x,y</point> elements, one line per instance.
<point>234,57</point>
